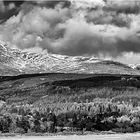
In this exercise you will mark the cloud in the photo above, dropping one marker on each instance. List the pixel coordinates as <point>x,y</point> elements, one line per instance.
<point>39,21</point>
<point>8,9</point>
<point>71,28</point>
<point>129,58</point>
<point>123,6</point>
<point>82,38</point>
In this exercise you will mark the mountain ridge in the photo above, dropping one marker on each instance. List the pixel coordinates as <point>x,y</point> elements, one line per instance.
<point>16,62</point>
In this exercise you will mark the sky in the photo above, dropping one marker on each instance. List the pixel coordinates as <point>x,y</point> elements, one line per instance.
<point>107,29</point>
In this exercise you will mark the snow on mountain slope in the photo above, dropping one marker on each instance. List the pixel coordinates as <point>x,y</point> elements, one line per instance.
<point>135,66</point>
<point>14,62</point>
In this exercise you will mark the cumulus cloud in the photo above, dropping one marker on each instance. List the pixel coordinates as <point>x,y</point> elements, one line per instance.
<point>73,27</point>
<point>82,38</point>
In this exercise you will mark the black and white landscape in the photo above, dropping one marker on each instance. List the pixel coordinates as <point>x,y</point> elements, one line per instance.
<point>70,67</point>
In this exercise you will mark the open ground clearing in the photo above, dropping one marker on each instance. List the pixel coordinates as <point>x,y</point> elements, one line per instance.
<point>76,137</point>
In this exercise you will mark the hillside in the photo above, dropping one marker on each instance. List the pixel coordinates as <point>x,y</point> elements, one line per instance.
<point>33,87</point>
<point>15,62</point>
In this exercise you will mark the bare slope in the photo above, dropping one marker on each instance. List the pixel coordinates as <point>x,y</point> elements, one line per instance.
<point>15,62</point>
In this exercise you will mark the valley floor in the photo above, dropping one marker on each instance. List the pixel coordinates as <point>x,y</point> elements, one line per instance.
<point>135,136</point>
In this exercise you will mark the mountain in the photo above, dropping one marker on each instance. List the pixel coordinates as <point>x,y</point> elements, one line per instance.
<point>16,62</point>
<point>135,66</point>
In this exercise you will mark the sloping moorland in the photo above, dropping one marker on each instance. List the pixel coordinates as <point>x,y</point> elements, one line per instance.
<point>34,87</point>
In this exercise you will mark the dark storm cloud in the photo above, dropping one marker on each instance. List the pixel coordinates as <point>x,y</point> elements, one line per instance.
<point>15,2</point>
<point>53,3</point>
<point>74,27</point>
<point>123,6</point>
<point>8,9</point>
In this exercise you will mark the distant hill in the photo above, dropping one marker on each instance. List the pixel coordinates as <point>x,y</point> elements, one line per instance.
<point>16,62</point>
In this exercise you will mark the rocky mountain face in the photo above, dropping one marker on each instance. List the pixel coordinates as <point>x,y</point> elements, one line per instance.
<point>15,62</point>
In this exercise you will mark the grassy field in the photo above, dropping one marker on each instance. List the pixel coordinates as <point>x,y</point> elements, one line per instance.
<point>75,137</point>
